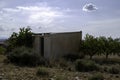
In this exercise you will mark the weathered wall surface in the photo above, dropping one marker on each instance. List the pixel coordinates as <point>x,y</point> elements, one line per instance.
<point>65,43</point>
<point>36,44</point>
<point>58,44</point>
<point>47,47</point>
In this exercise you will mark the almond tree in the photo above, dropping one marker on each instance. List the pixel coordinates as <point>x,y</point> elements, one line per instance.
<point>90,46</point>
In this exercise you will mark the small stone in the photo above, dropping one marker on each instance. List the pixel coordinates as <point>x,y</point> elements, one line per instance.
<point>77,78</point>
<point>51,79</point>
<point>2,74</point>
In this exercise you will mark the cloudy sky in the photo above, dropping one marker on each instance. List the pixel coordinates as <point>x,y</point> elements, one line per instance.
<point>96,17</point>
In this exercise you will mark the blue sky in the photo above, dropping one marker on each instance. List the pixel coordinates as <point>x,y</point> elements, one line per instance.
<point>95,17</point>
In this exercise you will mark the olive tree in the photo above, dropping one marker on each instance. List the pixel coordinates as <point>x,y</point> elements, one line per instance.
<point>22,38</point>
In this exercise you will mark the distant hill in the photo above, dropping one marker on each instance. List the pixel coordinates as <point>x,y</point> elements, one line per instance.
<point>2,40</point>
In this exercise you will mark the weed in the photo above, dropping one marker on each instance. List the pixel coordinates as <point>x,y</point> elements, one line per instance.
<point>2,50</point>
<point>42,72</point>
<point>114,69</point>
<point>25,56</point>
<point>61,77</point>
<point>85,65</point>
<point>97,76</point>
<point>73,56</point>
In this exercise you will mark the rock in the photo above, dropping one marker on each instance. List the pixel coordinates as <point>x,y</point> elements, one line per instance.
<point>2,74</point>
<point>77,78</point>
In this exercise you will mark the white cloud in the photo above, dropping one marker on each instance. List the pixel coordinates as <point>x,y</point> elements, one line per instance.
<point>38,17</point>
<point>89,7</point>
<point>10,10</point>
<point>42,15</point>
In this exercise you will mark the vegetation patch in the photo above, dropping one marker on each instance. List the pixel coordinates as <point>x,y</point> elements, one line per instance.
<point>42,71</point>
<point>25,56</point>
<point>85,65</point>
<point>20,52</point>
<point>61,77</point>
<point>114,69</point>
<point>107,61</point>
<point>2,50</point>
<point>73,56</point>
<point>106,46</point>
<point>97,76</point>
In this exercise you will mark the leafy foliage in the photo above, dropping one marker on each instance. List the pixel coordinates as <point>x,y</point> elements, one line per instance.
<point>25,56</point>
<point>97,76</point>
<point>2,50</point>
<point>61,77</point>
<point>42,72</point>
<point>114,69</point>
<point>100,45</point>
<point>85,65</point>
<point>73,56</point>
<point>89,45</point>
<point>22,38</point>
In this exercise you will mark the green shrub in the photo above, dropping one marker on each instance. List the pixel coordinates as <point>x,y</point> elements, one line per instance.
<point>2,50</point>
<point>107,61</point>
<point>61,77</point>
<point>62,63</point>
<point>114,69</point>
<point>85,65</point>
<point>25,56</point>
<point>97,76</point>
<point>58,63</point>
<point>42,72</point>
<point>105,69</point>
<point>73,56</point>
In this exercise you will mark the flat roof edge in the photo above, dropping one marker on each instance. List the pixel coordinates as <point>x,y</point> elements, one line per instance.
<point>57,33</point>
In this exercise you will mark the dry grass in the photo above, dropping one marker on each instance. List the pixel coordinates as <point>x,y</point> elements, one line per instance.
<point>12,72</point>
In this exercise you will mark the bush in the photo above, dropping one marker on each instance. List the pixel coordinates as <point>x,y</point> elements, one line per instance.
<point>85,65</point>
<point>73,56</point>
<point>2,50</point>
<point>62,63</point>
<point>105,69</point>
<point>107,61</point>
<point>97,76</point>
<point>25,56</point>
<point>61,77</point>
<point>114,69</point>
<point>42,72</point>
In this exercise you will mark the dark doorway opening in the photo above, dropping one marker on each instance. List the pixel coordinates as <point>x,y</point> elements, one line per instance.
<point>42,46</point>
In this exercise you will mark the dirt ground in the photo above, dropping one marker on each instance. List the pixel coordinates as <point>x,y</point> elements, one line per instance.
<point>10,71</point>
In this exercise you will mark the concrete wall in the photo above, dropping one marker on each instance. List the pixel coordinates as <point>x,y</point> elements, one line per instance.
<point>65,43</point>
<point>58,44</point>
<point>47,47</point>
<point>37,44</point>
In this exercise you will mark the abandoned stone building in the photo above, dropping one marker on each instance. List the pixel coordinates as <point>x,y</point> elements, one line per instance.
<point>55,45</point>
